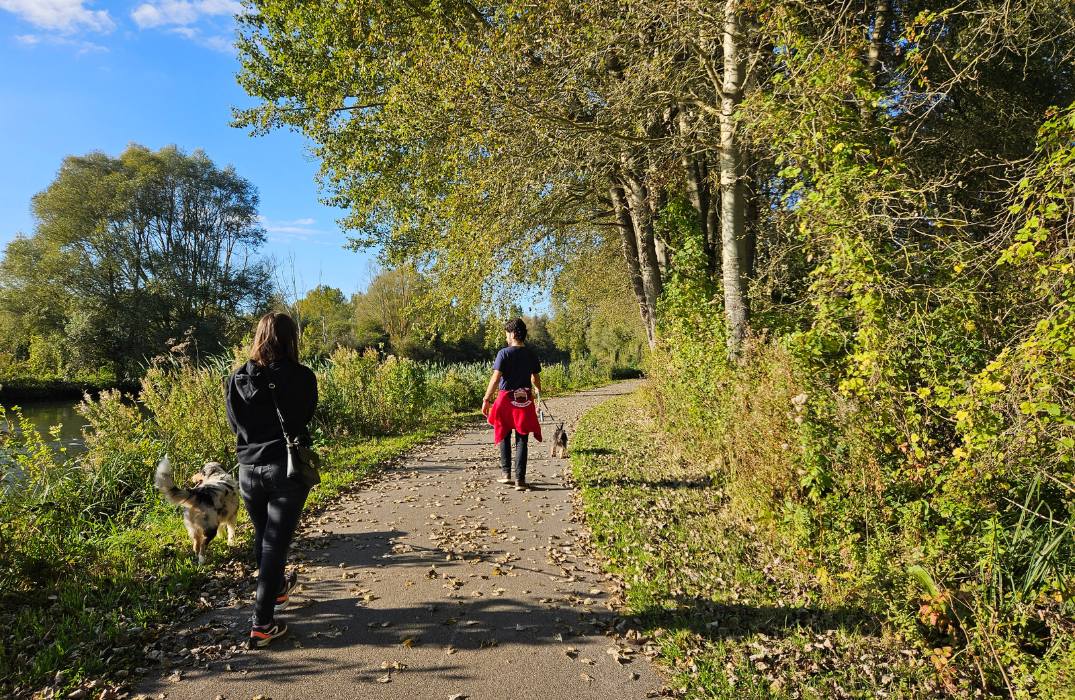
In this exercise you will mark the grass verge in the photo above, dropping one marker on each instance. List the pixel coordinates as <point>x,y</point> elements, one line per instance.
<point>727,616</point>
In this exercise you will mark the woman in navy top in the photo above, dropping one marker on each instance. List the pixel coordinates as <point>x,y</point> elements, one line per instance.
<point>517,371</point>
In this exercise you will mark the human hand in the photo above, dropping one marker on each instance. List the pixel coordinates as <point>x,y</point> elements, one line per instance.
<point>485,407</point>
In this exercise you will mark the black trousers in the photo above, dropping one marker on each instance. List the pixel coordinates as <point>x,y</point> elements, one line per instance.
<point>520,455</point>
<point>275,505</point>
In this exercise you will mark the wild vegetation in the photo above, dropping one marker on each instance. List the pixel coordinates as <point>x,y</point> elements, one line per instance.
<point>847,232</point>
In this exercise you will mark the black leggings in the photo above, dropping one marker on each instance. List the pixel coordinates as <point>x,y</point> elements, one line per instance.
<point>275,504</point>
<point>520,455</point>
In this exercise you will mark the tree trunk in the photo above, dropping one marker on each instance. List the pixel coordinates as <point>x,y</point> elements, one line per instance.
<point>642,217</point>
<point>630,253</point>
<point>733,200</point>
<point>878,36</point>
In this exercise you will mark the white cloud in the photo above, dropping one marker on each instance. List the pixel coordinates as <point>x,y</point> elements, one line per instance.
<point>291,231</point>
<point>62,15</point>
<point>83,47</point>
<point>224,44</point>
<point>181,12</point>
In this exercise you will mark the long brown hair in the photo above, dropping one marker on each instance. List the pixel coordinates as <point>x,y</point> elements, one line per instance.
<point>277,337</point>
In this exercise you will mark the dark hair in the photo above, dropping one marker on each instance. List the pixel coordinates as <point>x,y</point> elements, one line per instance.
<point>517,327</point>
<point>277,337</point>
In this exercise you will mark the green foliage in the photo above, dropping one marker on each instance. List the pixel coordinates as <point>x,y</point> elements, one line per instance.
<point>910,450</point>
<point>361,395</point>
<point>127,252</point>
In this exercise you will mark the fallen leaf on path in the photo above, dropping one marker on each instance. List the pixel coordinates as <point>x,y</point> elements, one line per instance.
<point>449,650</point>
<point>378,624</point>
<point>588,662</point>
<point>586,677</point>
<point>410,641</point>
<point>385,679</point>
<point>369,597</point>
<point>450,621</point>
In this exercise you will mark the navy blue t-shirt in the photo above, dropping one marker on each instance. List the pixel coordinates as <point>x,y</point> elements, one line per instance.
<point>516,363</point>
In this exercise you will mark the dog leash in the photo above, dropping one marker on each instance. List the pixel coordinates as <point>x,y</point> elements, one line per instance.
<point>552,418</point>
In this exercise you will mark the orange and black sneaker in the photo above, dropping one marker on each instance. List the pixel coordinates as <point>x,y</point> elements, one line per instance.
<point>261,635</point>
<point>291,582</point>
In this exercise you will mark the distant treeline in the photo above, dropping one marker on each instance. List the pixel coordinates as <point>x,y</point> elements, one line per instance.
<point>152,253</point>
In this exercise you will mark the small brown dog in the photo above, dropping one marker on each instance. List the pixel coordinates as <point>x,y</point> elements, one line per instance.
<point>213,502</point>
<point>559,441</point>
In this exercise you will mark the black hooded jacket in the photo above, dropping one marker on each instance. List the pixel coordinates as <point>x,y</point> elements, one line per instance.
<point>252,415</point>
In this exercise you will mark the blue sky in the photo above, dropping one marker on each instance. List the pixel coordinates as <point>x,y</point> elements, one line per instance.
<point>78,76</point>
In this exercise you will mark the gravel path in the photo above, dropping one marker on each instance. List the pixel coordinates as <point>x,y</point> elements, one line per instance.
<point>435,582</point>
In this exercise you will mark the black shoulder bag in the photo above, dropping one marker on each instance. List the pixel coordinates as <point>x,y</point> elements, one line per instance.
<point>303,463</point>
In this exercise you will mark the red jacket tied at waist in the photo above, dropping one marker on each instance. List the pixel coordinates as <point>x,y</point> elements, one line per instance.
<point>512,413</point>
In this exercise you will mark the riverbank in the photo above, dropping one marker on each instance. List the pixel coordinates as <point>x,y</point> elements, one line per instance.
<point>20,390</point>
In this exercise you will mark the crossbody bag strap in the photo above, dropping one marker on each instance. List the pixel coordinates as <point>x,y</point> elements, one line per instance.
<point>283,427</point>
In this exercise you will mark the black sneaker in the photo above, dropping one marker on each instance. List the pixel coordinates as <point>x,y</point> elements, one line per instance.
<point>291,582</point>
<point>261,635</point>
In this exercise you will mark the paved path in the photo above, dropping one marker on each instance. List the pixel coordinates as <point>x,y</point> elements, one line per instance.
<point>436,582</point>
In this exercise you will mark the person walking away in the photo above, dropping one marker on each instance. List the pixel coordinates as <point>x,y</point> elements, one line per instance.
<point>517,371</point>
<point>270,388</point>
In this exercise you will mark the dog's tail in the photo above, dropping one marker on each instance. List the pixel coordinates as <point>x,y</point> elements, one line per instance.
<point>165,483</point>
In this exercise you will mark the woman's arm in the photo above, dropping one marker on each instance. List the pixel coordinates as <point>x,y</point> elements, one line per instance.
<point>535,379</point>
<point>490,391</point>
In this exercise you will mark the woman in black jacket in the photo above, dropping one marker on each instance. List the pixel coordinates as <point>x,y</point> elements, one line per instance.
<point>273,501</point>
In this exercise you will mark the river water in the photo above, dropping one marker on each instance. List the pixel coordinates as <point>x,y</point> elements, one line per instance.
<point>45,414</point>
